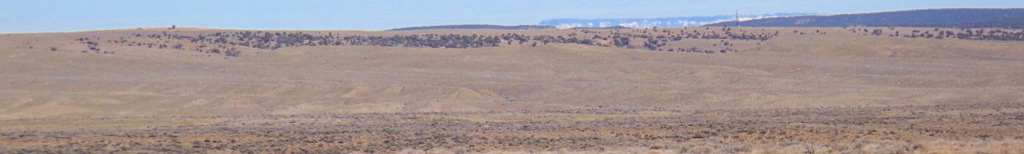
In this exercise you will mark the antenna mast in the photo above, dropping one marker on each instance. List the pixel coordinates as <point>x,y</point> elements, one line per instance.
<point>737,18</point>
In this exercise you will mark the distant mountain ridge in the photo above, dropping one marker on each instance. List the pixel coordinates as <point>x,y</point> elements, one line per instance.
<point>960,18</point>
<point>658,22</point>
<point>474,26</point>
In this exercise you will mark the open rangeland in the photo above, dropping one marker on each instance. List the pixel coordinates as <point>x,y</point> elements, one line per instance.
<point>660,90</point>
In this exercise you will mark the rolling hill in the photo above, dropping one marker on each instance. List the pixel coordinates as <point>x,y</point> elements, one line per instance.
<point>917,18</point>
<point>517,27</point>
<point>1008,23</point>
<point>657,22</point>
<point>184,71</point>
<point>644,90</point>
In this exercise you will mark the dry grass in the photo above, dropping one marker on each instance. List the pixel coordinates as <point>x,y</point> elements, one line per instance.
<point>893,129</point>
<point>825,92</point>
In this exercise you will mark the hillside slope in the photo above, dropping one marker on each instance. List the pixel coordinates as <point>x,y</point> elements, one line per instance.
<point>652,90</point>
<point>518,27</point>
<point>658,22</point>
<point>923,18</point>
<point>792,70</point>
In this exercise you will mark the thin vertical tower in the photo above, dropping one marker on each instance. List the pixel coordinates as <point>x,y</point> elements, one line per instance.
<point>737,18</point>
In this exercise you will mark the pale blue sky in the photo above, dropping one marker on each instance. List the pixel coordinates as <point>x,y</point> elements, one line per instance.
<point>77,15</point>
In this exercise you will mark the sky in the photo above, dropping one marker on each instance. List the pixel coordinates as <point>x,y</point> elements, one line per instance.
<point>17,16</point>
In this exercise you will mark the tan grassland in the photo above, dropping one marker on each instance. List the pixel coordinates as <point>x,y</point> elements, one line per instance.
<point>804,90</point>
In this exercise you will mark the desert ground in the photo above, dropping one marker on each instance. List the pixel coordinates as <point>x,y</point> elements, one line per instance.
<point>651,90</point>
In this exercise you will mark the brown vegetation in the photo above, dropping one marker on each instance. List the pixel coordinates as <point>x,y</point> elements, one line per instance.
<point>900,129</point>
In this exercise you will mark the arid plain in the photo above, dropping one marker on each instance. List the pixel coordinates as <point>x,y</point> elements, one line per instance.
<point>661,90</point>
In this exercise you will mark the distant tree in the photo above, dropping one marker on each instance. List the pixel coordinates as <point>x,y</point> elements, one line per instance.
<point>877,32</point>
<point>620,41</point>
<point>233,53</point>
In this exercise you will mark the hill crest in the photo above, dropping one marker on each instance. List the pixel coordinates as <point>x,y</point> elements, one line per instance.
<point>474,26</point>
<point>903,18</point>
<point>689,21</point>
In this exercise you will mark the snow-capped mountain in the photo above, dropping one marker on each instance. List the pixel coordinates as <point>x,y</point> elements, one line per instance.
<point>659,22</point>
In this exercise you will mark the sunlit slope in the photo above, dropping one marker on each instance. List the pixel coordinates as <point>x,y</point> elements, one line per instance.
<point>840,42</point>
<point>790,71</point>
